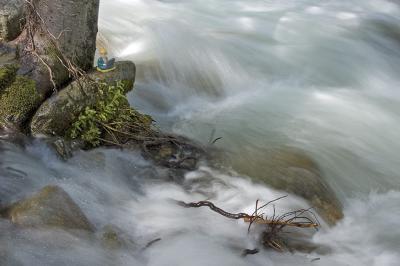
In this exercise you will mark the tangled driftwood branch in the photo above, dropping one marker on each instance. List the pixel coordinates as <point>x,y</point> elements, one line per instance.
<point>274,224</point>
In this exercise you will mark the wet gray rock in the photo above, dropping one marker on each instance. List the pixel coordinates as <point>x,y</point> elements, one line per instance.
<point>174,152</point>
<point>56,114</point>
<point>9,132</point>
<point>65,148</point>
<point>296,172</point>
<point>74,27</point>
<point>11,19</point>
<point>50,207</point>
<point>8,54</point>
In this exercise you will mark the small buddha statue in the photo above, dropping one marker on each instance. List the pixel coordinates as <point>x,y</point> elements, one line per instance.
<point>103,63</point>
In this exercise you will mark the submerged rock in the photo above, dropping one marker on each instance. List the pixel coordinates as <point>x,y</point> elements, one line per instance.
<point>56,114</point>
<point>294,171</point>
<point>113,238</point>
<point>11,19</point>
<point>173,152</point>
<point>50,207</point>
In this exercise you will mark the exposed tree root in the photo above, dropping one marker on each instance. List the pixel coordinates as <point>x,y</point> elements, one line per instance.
<point>274,224</point>
<point>35,23</point>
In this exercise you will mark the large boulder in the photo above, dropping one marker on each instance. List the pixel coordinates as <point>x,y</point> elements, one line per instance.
<point>65,32</point>
<point>50,207</point>
<point>8,73</point>
<point>56,114</point>
<point>11,19</point>
<point>293,171</point>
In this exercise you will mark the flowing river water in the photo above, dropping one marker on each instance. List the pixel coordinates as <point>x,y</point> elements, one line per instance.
<point>320,76</point>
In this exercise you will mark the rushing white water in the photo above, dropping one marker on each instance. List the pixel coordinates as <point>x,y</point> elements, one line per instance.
<point>321,76</point>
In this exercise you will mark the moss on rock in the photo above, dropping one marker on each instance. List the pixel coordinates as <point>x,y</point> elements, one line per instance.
<point>110,119</point>
<point>56,115</point>
<point>7,75</point>
<point>19,100</point>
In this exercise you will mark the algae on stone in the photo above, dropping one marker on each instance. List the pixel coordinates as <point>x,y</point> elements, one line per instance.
<point>19,100</point>
<point>7,75</point>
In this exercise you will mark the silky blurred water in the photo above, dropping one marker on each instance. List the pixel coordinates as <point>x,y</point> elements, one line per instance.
<point>320,76</point>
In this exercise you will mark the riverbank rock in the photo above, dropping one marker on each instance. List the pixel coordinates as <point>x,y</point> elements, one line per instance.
<point>56,114</point>
<point>11,19</point>
<point>8,54</point>
<point>293,171</point>
<point>50,207</point>
<point>66,30</point>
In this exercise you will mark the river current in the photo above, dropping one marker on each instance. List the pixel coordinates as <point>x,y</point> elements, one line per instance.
<point>320,76</point>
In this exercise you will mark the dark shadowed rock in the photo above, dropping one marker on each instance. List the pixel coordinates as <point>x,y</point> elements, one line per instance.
<point>64,148</point>
<point>50,207</point>
<point>11,19</point>
<point>56,114</point>
<point>8,54</point>
<point>293,171</point>
<point>172,151</point>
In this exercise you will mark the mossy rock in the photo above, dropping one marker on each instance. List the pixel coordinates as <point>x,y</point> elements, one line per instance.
<point>50,207</point>
<point>19,100</point>
<point>7,75</point>
<point>56,115</point>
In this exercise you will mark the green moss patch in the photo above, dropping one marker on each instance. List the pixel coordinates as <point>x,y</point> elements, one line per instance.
<point>19,100</point>
<point>7,75</point>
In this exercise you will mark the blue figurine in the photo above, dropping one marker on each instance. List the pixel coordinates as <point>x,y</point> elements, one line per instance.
<point>103,63</point>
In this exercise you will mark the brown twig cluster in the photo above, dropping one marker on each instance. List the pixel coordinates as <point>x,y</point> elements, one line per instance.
<point>274,224</point>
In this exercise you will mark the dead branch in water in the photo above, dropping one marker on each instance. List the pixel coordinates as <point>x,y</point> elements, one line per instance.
<point>274,224</point>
